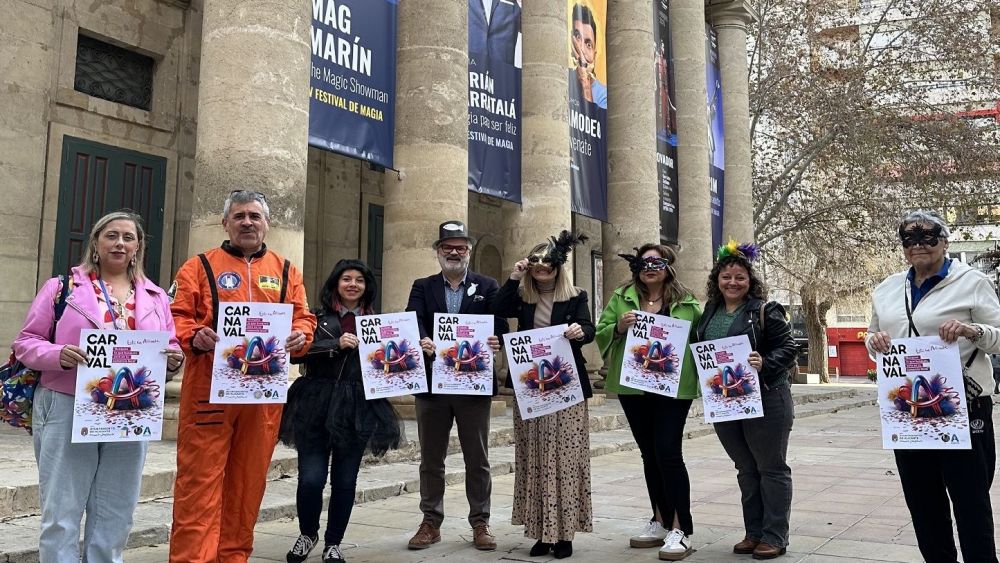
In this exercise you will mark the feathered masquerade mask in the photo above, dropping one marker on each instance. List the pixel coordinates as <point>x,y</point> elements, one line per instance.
<point>748,250</point>
<point>638,264</point>
<point>556,251</point>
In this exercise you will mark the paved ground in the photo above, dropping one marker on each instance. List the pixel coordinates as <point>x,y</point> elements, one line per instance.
<point>847,508</point>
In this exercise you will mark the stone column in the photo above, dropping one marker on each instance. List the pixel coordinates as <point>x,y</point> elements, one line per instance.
<point>253,124</point>
<point>730,20</point>
<point>431,141</point>
<point>633,189</point>
<point>545,184</point>
<point>253,117</point>
<point>687,26</point>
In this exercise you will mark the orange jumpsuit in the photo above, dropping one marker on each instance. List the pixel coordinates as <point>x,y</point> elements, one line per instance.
<point>224,451</point>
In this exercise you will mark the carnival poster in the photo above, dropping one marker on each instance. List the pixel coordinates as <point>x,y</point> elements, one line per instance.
<point>392,363</point>
<point>250,363</point>
<point>120,390</point>
<point>730,388</point>
<point>542,371</point>
<point>463,361</point>
<point>921,396</point>
<point>654,353</point>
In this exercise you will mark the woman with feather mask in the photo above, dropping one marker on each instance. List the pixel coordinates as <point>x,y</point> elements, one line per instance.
<point>759,446</point>
<point>657,422</point>
<point>552,452</point>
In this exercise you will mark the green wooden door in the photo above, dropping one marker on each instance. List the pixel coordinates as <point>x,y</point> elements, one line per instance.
<point>96,179</point>
<point>376,225</point>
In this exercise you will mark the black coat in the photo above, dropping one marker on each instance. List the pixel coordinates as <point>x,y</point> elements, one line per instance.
<point>771,337</point>
<point>427,297</point>
<point>508,304</point>
<point>325,358</point>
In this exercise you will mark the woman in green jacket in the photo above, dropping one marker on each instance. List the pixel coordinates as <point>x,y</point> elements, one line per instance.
<point>657,421</point>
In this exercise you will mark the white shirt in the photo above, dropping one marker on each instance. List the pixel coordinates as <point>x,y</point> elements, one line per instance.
<point>488,8</point>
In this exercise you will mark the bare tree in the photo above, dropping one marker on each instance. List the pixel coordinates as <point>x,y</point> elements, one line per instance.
<point>856,109</point>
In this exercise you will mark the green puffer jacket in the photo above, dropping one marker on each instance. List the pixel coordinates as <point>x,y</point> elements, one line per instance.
<point>613,348</point>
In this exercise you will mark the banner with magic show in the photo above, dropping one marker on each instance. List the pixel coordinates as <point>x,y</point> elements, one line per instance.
<point>495,99</point>
<point>921,396</point>
<point>730,386</point>
<point>716,132</point>
<point>588,107</point>
<point>250,363</point>
<point>352,80</point>
<point>666,123</point>
<point>120,390</point>
<point>392,362</point>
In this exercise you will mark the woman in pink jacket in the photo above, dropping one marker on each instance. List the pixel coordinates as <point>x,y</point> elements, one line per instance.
<point>108,291</point>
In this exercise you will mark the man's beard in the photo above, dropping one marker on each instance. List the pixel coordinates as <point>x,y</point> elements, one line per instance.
<point>450,267</point>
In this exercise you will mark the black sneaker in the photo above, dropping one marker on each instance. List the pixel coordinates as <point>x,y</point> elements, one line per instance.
<point>301,549</point>
<point>332,554</point>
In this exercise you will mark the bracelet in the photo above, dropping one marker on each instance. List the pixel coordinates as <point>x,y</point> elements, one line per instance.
<point>979,333</point>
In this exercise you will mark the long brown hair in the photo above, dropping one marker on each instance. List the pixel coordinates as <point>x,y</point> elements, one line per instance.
<point>673,289</point>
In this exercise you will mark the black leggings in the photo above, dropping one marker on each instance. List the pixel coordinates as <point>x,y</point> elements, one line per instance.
<point>657,424</point>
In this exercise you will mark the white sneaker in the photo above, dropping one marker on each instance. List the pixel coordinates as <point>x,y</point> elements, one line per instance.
<point>676,546</point>
<point>651,535</point>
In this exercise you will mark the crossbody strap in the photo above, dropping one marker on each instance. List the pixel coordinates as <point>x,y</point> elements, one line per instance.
<point>284,280</point>
<point>211,286</point>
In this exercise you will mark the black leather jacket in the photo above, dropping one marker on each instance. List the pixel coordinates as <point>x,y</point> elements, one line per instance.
<point>770,336</point>
<point>325,358</point>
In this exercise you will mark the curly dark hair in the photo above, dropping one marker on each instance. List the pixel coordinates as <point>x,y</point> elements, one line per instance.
<point>330,299</point>
<point>757,288</point>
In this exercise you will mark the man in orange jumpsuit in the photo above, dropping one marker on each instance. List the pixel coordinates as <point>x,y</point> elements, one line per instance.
<point>224,451</point>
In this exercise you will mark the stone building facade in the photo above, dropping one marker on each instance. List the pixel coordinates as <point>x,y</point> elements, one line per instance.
<point>227,106</point>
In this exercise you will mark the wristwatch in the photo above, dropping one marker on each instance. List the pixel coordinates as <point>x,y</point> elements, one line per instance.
<point>979,333</point>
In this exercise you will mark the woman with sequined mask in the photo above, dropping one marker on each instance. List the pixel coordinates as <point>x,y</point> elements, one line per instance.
<point>551,452</point>
<point>657,421</point>
<point>107,291</point>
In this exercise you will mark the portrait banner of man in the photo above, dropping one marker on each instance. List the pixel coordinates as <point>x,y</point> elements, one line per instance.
<point>588,107</point>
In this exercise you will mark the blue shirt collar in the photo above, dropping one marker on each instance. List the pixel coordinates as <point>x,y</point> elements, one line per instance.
<point>447,283</point>
<point>940,275</point>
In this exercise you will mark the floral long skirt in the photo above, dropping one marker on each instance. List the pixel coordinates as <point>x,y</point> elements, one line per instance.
<point>552,474</point>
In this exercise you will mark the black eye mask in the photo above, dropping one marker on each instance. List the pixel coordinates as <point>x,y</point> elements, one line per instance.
<point>918,235</point>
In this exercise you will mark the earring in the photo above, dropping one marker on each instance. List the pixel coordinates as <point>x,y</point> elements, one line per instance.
<point>132,262</point>
<point>94,258</point>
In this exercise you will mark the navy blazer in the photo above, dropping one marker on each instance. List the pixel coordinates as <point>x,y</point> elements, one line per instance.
<point>509,304</point>
<point>427,297</point>
<point>498,38</point>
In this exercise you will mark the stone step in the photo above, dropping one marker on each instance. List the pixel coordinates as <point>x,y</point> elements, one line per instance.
<point>19,489</point>
<point>380,481</point>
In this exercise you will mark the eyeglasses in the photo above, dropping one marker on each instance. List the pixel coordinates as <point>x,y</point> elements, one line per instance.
<point>448,249</point>
<point>256,195</point>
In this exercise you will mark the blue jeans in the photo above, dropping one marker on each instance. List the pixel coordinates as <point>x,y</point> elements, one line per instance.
<point>759,448</point>
<point>102,480</point>
<point>343,465</point>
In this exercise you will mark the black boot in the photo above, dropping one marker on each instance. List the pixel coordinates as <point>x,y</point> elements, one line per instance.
<point>540,548</point>
<point>562,549</point>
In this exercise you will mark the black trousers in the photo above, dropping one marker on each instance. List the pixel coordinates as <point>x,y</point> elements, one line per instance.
<point>657,424</point>
<point>930,477</point>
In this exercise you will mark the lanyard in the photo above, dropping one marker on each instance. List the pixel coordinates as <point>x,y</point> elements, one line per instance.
<point>107,300</point>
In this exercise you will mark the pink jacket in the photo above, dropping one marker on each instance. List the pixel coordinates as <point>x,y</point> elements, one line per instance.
<point>32,347</point>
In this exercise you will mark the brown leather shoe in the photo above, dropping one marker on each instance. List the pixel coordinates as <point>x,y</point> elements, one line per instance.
<point>483,537</point>
<point>767,551</point>
<point>426,536</point>
<point>746,546</point>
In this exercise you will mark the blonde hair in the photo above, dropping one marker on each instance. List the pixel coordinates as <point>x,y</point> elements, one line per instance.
<point>564,290</point>
<point>89,263</point>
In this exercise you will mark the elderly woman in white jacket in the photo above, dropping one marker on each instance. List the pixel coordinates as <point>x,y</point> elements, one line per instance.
<point>942,296</point>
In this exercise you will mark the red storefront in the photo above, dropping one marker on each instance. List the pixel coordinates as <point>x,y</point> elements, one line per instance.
<point>847,353</point>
